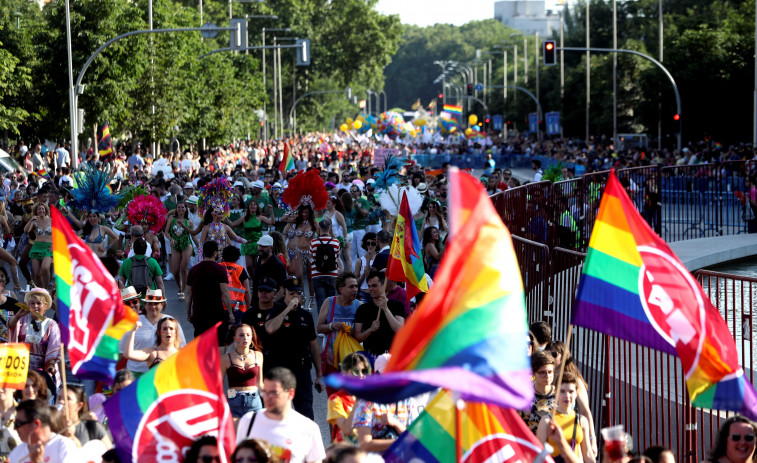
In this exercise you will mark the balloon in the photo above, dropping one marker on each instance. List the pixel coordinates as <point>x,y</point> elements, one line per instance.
<point>468,132</point>
<point>472,119</point>
<point>420,122</point>
<point>361,118</point>
<point>343,127</point>
<point>476,128</point>
<point>357,124</point>
<point>349,121</point>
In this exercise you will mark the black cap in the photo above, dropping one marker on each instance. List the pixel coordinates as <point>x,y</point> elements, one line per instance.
<point>293,284</point>
<point>268,284</point>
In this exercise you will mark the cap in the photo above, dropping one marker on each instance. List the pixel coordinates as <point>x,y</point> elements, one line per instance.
<point>422,187</point>
<point>258,184</point>
<point>193,199</point>
<point>236,184</point>
<point>265,240</point>
<point>276,185</point>
<point>370,181</point>
<point>293,284</point>
<point>189,185</point>
<point>267,284</point>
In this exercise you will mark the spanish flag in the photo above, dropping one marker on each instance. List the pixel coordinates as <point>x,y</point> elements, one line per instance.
<point>105,147</point>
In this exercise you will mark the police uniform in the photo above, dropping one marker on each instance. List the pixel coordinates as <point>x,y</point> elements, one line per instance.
<point>289,347</point>
<point>256,317</point>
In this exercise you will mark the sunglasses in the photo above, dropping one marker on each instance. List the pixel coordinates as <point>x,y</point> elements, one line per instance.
<point>358,371</point>
<point>747,437</point>
<point>554,354</point>
<point>370,243</point>
<point>132,302</point>
<point>245,460</point>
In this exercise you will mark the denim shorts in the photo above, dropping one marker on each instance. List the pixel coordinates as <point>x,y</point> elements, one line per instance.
<point>245,401</point>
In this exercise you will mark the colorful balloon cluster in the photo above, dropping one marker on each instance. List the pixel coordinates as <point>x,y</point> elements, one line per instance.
<point>448,126</point>
<point>391,124</point>
<point>360,124</point>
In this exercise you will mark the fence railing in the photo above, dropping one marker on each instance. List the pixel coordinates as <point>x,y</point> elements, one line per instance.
<point>679,203</point>
<point>643,389</point>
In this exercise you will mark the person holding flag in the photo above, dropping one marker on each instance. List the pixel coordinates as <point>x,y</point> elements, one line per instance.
<point>377,321</point>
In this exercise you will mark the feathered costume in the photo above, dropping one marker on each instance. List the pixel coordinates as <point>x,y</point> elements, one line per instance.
<point>93,192</point>
<point>389,189</point>
<point>215,196</point>
<point>306,188</point>
<point>147,211</point>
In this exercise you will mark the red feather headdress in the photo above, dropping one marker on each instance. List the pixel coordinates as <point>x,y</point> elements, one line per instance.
<point>306,188</point>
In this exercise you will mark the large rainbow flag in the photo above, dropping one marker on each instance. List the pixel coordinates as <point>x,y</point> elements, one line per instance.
<point>470,331</point>
<point>157,416</point>
<point>634,287</point>
<point>92,317</point>
<point>487,433</point>
<point>453,109</point>
<point>405,262</point>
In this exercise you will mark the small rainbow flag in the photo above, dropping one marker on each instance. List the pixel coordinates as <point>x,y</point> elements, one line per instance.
<point>160,414</point>
<point>634,287</point>
<point>92,317</point>
<point>487,433</point>
<point>287,162</point>
<point>469,332</point>
<point>453,109</point>
<point>405,262</point>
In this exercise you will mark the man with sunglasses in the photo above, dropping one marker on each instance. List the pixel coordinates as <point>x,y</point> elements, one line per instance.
<point>39,442</point>
<point>257,314</point>
<point>292,344</point>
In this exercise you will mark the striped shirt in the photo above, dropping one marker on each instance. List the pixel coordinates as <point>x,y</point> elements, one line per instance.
<point>323,241</point>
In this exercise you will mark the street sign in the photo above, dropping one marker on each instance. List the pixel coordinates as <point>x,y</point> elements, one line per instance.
<point>533,123</point>
<point>553,123</point>
<point>479,87</point>
<point>497,122</point>
<point>208,31</point>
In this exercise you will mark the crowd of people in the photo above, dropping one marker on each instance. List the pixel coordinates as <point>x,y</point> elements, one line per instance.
<point>291,263</point>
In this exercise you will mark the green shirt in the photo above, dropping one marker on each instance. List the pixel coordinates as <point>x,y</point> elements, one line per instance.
<point>359,223</point>
<point>263,201</point>
<point>152,264</point>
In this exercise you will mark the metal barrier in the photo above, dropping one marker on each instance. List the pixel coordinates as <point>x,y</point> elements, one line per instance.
<point>643,389</point>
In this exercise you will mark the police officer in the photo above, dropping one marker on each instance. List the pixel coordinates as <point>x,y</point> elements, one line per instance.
<point>292,344</point>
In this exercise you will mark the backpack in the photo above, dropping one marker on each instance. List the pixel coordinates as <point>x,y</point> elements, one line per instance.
<point>325,257</point>
<point>140,276</point>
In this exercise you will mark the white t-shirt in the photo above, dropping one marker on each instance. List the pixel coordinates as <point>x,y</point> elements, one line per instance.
<point>295,439</point>
<point>59,449</point>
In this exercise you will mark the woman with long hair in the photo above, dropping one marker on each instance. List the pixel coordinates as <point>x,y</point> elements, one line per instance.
<point>338,228</point>
<point>215,230</point>
<point>167,343</point>
<point>432,250</point>
<point>95,234</point>
<point>363,265</point>
<point>299,234</point>
<point>561,354</point>
<point>434,217</point>
<point>179,231</point>
<point>574,426</point>
<point>41,253</point>
<point>243,366</point>
<point>735,442</point>
<point>341,405</point>
<point>35,388</point>
<point>84,429</point>
<point>279,247</point>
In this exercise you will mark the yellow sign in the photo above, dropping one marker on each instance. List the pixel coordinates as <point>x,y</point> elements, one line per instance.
<point>14,365</point>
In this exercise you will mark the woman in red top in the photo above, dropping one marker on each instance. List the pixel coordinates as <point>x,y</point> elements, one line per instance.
<point>244,368</point>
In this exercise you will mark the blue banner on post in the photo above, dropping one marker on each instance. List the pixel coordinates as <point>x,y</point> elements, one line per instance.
<point>533,123</point>
<point>553,123</point>
<point>497,122</point>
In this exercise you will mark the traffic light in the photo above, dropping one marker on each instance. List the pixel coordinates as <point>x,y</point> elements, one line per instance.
<point>470,89</point>
<point>676,117</point>
<point>238,35</point>
<point>549,53</point>
<point>487,119</point>
<point>441,96</point>
<point>303,52</point>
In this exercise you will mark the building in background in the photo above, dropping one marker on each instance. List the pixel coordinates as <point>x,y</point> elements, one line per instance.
<point>529,16</point>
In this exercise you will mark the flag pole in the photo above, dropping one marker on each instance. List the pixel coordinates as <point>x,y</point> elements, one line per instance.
<point>563,361</point>
<point>63,376</point>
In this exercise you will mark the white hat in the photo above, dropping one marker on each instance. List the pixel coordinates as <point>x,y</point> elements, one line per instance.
<point>369,181</point>
<point>380,363</point>
<point>129,293</point>
<point>193,199</point>
<point>276,185</point>
<point>258,184</point>
<point>154,295</point>
<point>265,240</point>
<point>422,187</point>
<point>39,292</point>
<point>236,184</point>
<point>189,185</point>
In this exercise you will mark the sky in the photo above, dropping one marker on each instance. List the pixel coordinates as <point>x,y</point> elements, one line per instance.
<point>429,12</point>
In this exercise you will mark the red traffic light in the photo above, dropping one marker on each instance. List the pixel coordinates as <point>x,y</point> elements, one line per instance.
<point>441,96</point>
<point>487,120</point>
<point>549,46</point>
<point>676,117</point>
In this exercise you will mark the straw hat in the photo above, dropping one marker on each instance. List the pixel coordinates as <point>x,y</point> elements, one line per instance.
<point>39,292</point>
<point>154,295</point>
<point>129,293</point>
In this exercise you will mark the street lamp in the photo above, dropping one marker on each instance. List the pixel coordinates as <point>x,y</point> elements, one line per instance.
<point>236,1</point>
<point>264,30</point>
<point>277,66</point>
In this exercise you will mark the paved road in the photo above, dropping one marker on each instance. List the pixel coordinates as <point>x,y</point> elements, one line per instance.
<point>177,309</point>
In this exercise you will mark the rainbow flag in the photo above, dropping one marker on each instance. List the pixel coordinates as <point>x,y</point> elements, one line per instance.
<point>470,331</point>
<point>160,414</point>
<point>634,287</point>
<point>287,162</point>
<point>92,317</point>
<point>453,109</point>
<point>405,262</point>
<point>105,146</point>
<point>487,433</point>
